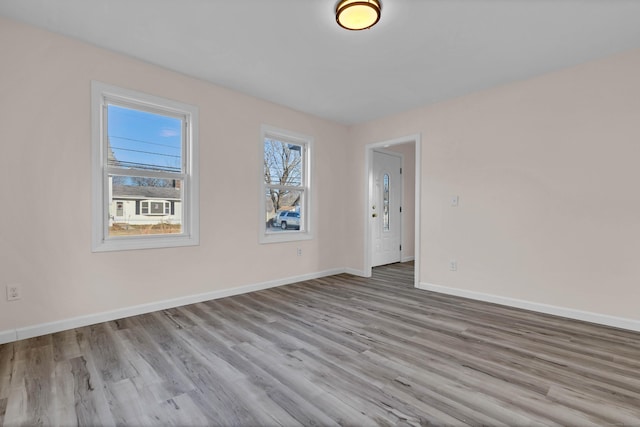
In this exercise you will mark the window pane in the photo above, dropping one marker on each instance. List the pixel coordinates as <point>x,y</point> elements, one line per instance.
<point>157,208</point>
<point>142,140</point>
<point>385,202</point>
<point>153,196</point>
<point>283,210</point>
<point>283,163</point>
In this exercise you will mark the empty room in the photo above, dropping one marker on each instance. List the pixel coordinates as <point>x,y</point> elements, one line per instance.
<point>320,212</point>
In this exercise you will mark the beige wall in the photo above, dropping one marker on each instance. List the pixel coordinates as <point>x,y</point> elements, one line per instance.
<point>546,171</point>
<point>547,175</point>
<point>45,229</point>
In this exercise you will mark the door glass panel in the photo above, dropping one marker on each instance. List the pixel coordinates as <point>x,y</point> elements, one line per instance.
<point>385,202</point>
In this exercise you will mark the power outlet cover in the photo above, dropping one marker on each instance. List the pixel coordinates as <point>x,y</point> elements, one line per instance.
<point>14,292</point>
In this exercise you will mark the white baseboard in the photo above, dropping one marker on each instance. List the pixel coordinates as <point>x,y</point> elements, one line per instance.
<point>8,336</point>
<point>587,316</point>
<point>91,319</point>
<point>407,258</point>
<point>355,272</point>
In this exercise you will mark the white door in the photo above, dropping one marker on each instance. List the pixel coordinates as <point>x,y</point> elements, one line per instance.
<point>385,208</point>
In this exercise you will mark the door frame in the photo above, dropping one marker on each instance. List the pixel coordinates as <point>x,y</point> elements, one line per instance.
<point>369,148</point>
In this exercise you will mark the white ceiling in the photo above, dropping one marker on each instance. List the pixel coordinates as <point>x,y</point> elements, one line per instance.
<point>292,52</point>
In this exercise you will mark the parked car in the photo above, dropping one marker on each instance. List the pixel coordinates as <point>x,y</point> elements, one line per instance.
<point>287,220</point>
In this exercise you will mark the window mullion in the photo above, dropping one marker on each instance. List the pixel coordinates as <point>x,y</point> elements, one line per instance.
<point>284,187</point>
<point>114,170</point>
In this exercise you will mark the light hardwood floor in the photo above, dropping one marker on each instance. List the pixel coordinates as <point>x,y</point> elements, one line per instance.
<point>341,350</point>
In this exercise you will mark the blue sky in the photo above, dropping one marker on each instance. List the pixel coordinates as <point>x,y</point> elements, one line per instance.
<point>149,140</point>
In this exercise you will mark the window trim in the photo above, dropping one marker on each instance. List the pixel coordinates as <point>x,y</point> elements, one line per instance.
<point>306,232</point>
<point>190,236</point>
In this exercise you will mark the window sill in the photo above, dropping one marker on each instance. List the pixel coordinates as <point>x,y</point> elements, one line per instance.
<point>286,236</point>
<point>148,242</point>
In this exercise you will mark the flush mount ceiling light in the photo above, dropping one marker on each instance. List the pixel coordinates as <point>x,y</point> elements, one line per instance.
<point>358,14</point>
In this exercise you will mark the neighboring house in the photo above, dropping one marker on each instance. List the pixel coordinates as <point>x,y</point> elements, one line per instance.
<point>144,205</point>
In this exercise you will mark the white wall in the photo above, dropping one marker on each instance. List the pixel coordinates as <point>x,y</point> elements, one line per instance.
<point>45,229</point>
<point>547,174</point>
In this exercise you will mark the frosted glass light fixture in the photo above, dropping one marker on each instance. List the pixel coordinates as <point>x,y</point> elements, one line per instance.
<point>358,14</point>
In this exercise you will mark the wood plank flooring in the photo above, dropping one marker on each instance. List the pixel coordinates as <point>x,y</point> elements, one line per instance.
<point>341,350</point>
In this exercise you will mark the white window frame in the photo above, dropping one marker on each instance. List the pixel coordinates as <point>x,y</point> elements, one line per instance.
<point>306,226</point>
<point>101,95</point>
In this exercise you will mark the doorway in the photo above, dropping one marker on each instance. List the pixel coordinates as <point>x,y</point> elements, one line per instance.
<point>375,252</point>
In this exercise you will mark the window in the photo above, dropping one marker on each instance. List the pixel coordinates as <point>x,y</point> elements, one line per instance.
<point>144,158</point>
<point>285,194</point>
<point>151,207</point>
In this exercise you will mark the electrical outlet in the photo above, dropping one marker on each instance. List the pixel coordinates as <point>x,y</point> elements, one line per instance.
<point>14,292</point>
<point>453,265</point>
<point>299,251</point>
